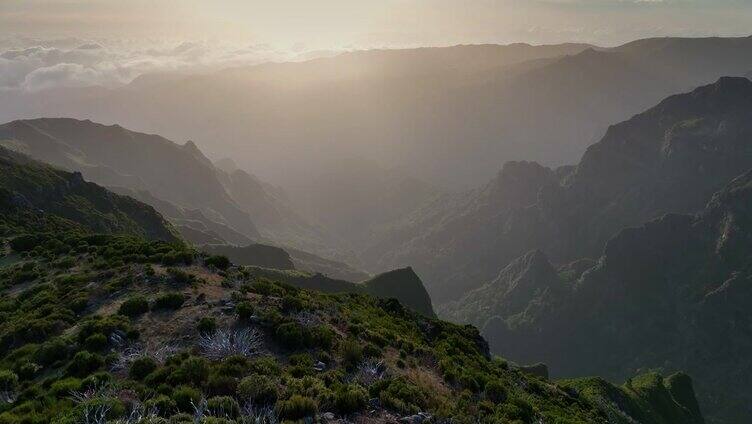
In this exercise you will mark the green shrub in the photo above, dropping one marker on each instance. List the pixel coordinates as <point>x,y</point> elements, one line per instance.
<point>179,276</point>
<point>207,325</point>
<point>169,301</point>
<point>27,370</point>
<point>134,307</point>
<point>259,389</point>
<point>96,342</point>
<point>221,385</point>
<point>63,388</point>
<point>264,287</point>
<point>185,397</point>
<point>291,303</point>
<point>218,261</point>
<point>399,394</point>
<point>320,336</point>
<point>233,366</point>
<point>161,405</point>
<point>350,398</point>
<point>244,310</point>
<point>142,367</point>
<point>52,351</point>
<point>517,409</point>
<point>182,418</point>
<point>193,370</point>
<point>98,379</point>
<point>296,408</point>
<point>84,363</point>
<point>266,365</point>
<point>352,353</point>
<point>223,406</point>
<point>290,335</point>
<point>8,381</point>
<point>496,392</point>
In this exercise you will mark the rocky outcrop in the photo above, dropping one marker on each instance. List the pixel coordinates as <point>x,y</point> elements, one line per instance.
<point>254,255</point>
<point>404,285</point>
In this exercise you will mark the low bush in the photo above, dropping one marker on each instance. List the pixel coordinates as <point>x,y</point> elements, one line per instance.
<point>207,325</point>
<point>218,261</point>
<point>259,389</point>
<point>399,394</point>
<point>169,301</point>
<point>141,367</point>
<point>134,307</point>
<point>352,353</point>
<point>221,385</point>
<point>179,276</point>
<point>290,335</point>
<point>266,365</point>
<point>296,408</point>
<point>84,363</point>
<point>161,405</point>
<point>185,397</point>
<point>96,342</point>
<point>65,387</point>
<point>496,392</point>
<point>193,371</point>
<point>8,381</point>
<point>350,398</point>
<point>223,406</point>
<point>244,310</point>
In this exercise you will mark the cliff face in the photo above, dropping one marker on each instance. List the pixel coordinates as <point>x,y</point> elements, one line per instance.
<point>672,294</point>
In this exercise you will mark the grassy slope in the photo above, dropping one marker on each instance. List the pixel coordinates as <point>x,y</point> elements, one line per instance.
<point>61,333</point>
<point>31,191</point>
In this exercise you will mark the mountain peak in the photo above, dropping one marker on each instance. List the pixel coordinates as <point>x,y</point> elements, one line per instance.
<point>727,93</point>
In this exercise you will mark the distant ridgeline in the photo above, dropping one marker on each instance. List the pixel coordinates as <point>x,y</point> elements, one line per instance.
<point>105,316</point>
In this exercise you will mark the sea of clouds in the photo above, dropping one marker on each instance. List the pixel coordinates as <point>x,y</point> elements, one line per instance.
<point>32,64</point>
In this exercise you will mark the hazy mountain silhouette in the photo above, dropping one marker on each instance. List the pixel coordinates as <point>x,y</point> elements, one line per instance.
<point>670,158</point>
<point>114,156</point>
<point>448,115</point>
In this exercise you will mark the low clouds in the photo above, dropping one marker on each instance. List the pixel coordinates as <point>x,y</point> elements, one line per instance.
<point>33,65</point>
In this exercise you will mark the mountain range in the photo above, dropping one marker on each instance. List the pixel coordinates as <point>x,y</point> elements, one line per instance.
<point>670,158</point>
<point>425,121</point>
<point>447,115</point>
<point>208,204</point>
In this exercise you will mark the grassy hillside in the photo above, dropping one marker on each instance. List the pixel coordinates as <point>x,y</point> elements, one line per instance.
<point>107,327</point>
<point>31,192</point>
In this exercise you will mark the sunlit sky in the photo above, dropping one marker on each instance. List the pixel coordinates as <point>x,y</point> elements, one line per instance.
<point>327,24</point>
<point>109,42</point>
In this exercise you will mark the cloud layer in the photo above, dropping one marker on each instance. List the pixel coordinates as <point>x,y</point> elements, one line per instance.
<point>33,64</point>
